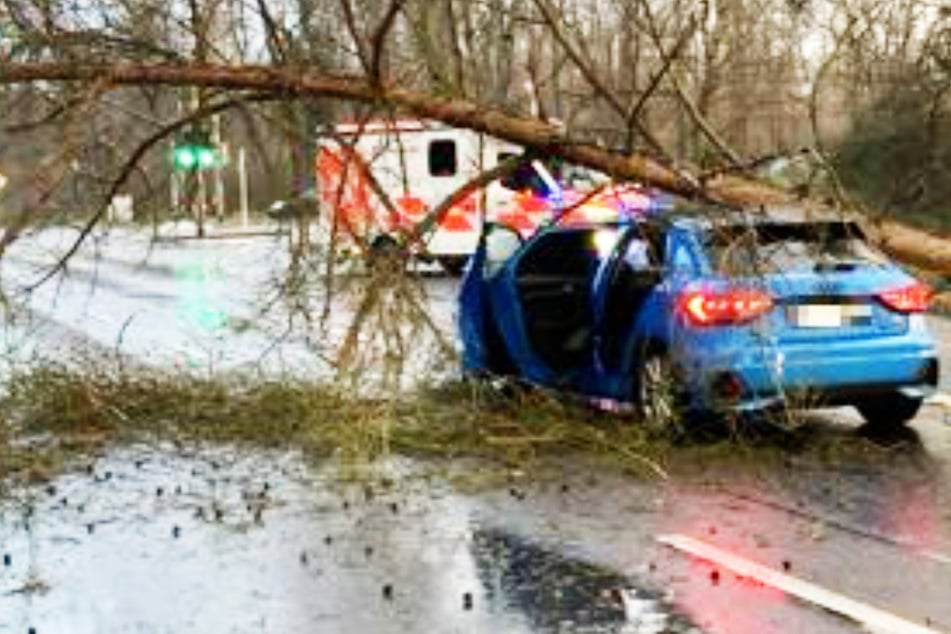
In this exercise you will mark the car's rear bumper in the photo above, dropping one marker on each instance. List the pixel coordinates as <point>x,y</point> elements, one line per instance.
<point>813,375</point>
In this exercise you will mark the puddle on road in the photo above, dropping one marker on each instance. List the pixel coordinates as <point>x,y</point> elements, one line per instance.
<point>562,595</point>
<point>153,540</point>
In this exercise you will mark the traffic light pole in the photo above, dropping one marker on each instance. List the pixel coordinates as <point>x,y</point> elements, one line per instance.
<point>194,173</point>
<point>219,185</point>
<point>243,185</point>
<point>174,191</point>
<point>202,202</point>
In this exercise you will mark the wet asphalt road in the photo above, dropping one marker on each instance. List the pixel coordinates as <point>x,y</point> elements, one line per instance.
<point>161,539</point>
<point>151,539</point>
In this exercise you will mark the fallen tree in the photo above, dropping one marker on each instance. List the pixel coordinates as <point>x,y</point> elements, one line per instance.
<point>917,247</point>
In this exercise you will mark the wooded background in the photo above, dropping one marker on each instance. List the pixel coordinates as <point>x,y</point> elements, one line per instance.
<point>844,101</point>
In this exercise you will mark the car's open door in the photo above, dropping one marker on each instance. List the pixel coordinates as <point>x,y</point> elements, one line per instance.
<point>484,348</point>
<point>623,285</point>
<point>549,288</point>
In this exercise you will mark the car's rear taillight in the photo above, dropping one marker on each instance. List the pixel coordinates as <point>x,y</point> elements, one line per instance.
<point>907,299</point>
<point>721,307</point>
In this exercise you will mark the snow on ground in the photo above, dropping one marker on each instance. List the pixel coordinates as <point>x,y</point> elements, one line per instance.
<point>205,305</point>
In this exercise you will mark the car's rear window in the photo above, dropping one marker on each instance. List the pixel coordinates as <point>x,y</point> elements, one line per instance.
<point>770,248</point>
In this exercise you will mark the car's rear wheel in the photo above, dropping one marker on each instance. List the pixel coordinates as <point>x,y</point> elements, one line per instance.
<point>893,410</point>
<point>659,393</point>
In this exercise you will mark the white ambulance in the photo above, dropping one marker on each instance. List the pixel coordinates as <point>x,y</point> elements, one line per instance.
<point>378,179</point>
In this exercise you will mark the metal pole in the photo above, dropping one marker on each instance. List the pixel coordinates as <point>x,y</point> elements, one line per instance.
<point>202,201</point>
<point>174,194</point>
<point>219,180</point>
<point>243,186</point>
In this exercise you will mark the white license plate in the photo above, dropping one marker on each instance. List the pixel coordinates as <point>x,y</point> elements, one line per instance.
<point>830,315</point>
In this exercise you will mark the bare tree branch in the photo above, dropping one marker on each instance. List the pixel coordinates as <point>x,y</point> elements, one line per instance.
<point>272,31</point>
<point>691,106</point>
<point>668,61</point>
<point>351,21</point>
<point>287,81</point>
<point>591,77</point>
<point>59,111</point>
<point>378,41</point>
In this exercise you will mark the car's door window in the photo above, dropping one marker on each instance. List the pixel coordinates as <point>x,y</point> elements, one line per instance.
<point>554,287</point>
<point>681,260</point>
<point>637,254</point>
<point>635,274</point>
<point>501,243</point>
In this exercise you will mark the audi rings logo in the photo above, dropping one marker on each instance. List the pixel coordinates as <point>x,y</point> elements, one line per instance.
<point>828,287</point>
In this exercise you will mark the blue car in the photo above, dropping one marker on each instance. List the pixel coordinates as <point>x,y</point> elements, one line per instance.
<point>698,313</point>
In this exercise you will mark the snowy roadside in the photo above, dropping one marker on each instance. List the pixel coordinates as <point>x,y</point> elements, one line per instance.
<point>199,305</point>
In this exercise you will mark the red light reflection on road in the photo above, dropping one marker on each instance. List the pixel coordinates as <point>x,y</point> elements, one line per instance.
<point>718,599</point>
<point>912,515</point>
<point>734,605</point>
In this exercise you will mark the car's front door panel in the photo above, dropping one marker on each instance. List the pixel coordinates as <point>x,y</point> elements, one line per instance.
<point>549,286</point>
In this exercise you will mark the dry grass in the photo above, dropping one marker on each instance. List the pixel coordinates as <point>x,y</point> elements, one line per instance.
<point>52,414</point>
<point>54,418</point>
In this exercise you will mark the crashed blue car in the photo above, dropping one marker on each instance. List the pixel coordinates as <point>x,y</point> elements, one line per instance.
<point>689,314</point>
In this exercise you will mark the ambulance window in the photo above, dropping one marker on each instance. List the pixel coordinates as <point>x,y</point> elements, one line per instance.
<point>442,158</point>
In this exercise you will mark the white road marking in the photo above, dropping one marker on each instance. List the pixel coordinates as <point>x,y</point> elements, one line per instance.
<point>940,399</point>
<point>871,617</point>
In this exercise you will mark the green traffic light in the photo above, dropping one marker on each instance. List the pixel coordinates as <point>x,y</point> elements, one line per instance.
<point>191,157</point>
<point>206,157</point>
<point>184,157</point>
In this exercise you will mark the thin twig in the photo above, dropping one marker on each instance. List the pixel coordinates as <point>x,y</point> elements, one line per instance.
<point>590,76</point>
<point>378,41</point>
